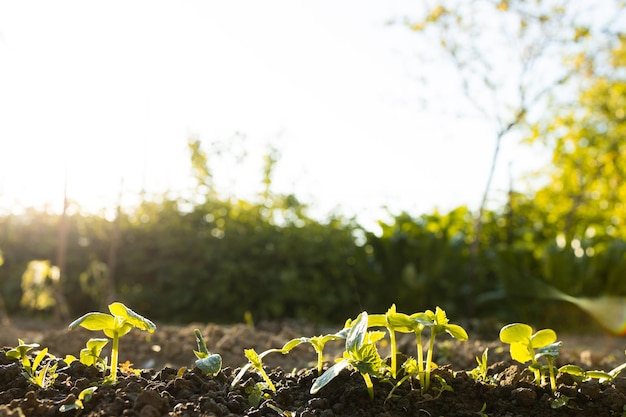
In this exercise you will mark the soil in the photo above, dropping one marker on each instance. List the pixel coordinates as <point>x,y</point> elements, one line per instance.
<point>168,384</point>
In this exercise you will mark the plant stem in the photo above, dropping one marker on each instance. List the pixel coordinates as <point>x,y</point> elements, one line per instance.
<point>394,360</point>
<point>429,358</point>
<point>114,358</point>
<point>552,378</point>
<point>267,379</point>
<point>320,362</point>
<point>369,385</point>
<point>420,358</point>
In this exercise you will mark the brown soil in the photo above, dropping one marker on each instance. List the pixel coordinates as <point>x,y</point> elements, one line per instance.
<point>162,388</point>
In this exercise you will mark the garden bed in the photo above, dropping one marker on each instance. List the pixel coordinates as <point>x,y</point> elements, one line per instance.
<point>162,388</point>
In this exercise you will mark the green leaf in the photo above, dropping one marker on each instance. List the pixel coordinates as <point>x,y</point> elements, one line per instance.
<point>457,332</point>
<point>440,316</point>
<point>211,364</point>
<point>96,344</point>
<point>599,375</point>
<point>520,352</point>
<point>329,375</point>
<point>572,370</point>
<point>293,343</point>
<point>94,321</point>
<point>254,358</point>
<point>400,322</point>
<point>543,338</point>
<point>377,320</point>
<point>369,361</point>
<point>516,333</point>
<point>137,320</point>
<point>202,352</point>
<point>40,356</point>
<point>551,350</point>
<point>357,333</point>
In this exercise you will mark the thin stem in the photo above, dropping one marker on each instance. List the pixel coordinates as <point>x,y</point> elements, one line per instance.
<point>552,378</point>
<point>114,358</point>
<point>267,379</point>
<point>320,362</point>
<point>420,358</point>
<point>394,360</point>
<point>369,385</point>
<point>429,358</point>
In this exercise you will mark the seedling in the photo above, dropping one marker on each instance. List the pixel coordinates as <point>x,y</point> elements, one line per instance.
<point>393,321</point>
<point>90,354</point>
<point>480,372</point>
<point>84,396</point>
<point>318,343</point>
<point>524,343</point>
<point>550,352</point>
<point>255,360</point>
<point>360,353</point>
<point>438,323</point>
<point>36,373</point>
<point>207,362</point>
<point>115,325</point>
<point>579,372</point>
<point>410,369</point>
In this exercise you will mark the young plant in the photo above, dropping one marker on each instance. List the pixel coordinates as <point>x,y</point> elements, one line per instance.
<point>115,325</point>
<point>318,343</point>
<point>255,360</point>
<point>480,372</point>
<point>579,372</point>
<point>84,396</point>
<point>549,352</point>
<point>360,354</point>
<point>524,345</point>
<point>36,373</point>
<point>393,322</point>
<point>438,323</point>
<point>207,362</point>
<point>90,354</point>
<point>411,370</point>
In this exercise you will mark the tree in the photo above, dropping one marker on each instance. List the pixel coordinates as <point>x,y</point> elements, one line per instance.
<point>507,56</point>
<point>585,196</point>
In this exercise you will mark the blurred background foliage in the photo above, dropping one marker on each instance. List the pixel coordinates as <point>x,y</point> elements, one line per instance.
<point>218,258</point>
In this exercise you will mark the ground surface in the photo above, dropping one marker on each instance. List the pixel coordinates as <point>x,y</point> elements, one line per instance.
<point>163,388</point>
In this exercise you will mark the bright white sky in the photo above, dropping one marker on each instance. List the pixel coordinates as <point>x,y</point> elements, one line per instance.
<point>105,90</point>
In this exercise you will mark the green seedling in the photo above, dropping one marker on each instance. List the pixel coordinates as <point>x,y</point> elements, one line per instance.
<point>36,373</point>
<point>318,343</point>
<point>410,369</point>
<point>550,352</point>
<point>20,352</point>
<point>90,354</point>
<point>115,325</point>
<point>579,372</point>
<point>360,354</point>
<point>438,323</point>
<point>84,396</point>
<point>528,347</point>
<point>207,362</point>
<point>393,322</point>
<point>255,360</point>
<point>483,411</point>
<point>480,372</point>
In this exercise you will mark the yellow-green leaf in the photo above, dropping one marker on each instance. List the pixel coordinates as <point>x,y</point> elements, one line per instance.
<point>516,333</point>
<point>93,321</point>
<point>520,353</point>
<point>543,338</point>
<point>457,332</point>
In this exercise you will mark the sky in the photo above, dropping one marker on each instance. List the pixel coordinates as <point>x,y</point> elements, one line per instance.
<point>103,97</point>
